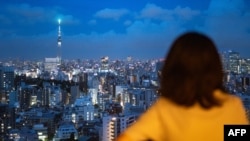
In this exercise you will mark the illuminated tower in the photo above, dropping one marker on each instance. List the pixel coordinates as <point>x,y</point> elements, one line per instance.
<point>59,42</point>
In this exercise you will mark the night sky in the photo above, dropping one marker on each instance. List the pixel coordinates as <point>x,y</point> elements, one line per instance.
<point>143,29</point>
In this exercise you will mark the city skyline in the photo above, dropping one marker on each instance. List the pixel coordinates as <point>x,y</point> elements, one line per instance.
<point>92,29</point>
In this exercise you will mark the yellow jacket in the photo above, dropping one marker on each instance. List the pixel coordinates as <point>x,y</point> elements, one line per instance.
<point>168,121</point>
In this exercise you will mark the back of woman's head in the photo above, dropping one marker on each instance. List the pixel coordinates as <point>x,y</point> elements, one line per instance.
<point>192,71</point>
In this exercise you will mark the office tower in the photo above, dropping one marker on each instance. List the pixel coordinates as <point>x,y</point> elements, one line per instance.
<point>6,82</point>
<point>51,96</point>
<point>25,95</point>
<point>74,94</point>
<point>4,119</point>
<point>83,82</point>
<point>56,96</point>
<point>234,62</point>
<point>7,119</point>
<point>245,65</point>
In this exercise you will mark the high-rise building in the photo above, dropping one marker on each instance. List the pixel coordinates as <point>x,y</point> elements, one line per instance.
<point>234,62</point>
<point>114,125</point>
<point>245,66</point>
<point>74,94</point>
<point>51,96</point>
<point>5,119</point>
<point>25,96</point>
<point>7,77</point>
<point>83,82</point>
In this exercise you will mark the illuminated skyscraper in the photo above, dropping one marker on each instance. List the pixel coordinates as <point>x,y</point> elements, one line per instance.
<point>234,62</point>
<point>6,82</point>
<point>59,42</point>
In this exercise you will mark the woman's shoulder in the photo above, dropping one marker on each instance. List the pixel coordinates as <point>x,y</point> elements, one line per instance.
<point>230,102</point>
<point>227,97</point>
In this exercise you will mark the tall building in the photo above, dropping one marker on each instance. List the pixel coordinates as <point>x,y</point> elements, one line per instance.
<point>83,82</point>
<point>5,121</point>
<point>74,94</point>
<point>245,66</point>
<point>114,125</point>
<point>234,62</point>
<point>25,96</point>
<point>6,82</point>
<point>51,95</point>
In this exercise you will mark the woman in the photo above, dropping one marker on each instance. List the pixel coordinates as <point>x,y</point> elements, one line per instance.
<point>193,104</point>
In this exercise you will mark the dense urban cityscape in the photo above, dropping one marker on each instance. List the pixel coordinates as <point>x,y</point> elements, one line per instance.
<point>61,99</point>
<point>88,99</point>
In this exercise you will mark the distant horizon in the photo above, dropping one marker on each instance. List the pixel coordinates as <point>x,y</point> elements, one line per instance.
<point>143,30</point>
<point>110,58</point>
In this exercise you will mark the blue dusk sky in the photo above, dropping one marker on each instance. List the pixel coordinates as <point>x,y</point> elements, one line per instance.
<point>143,29</point>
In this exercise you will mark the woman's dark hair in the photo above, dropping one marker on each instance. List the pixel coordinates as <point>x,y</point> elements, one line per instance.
<point>192,71</point>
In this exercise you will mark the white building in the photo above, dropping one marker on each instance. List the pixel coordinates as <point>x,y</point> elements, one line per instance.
<point>93,94</point>
<point>84,107</point>
<point>82,110</point>
<point>51,64</point>
<point>114,125</point>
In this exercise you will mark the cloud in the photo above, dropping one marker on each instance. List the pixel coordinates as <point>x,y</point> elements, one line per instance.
<point>111,13</point>
<point>153,11</point>
<point>147,35</point>
<point>127,23</point>
<point>228,22</point>
<point>142,39</point>
<point>28,47</point>
<point>69,20</point>
<point>92,22</point>
<point>26,14</point>
<point>222,7</point>
<point>4,19</point>
<point>186,12</point>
